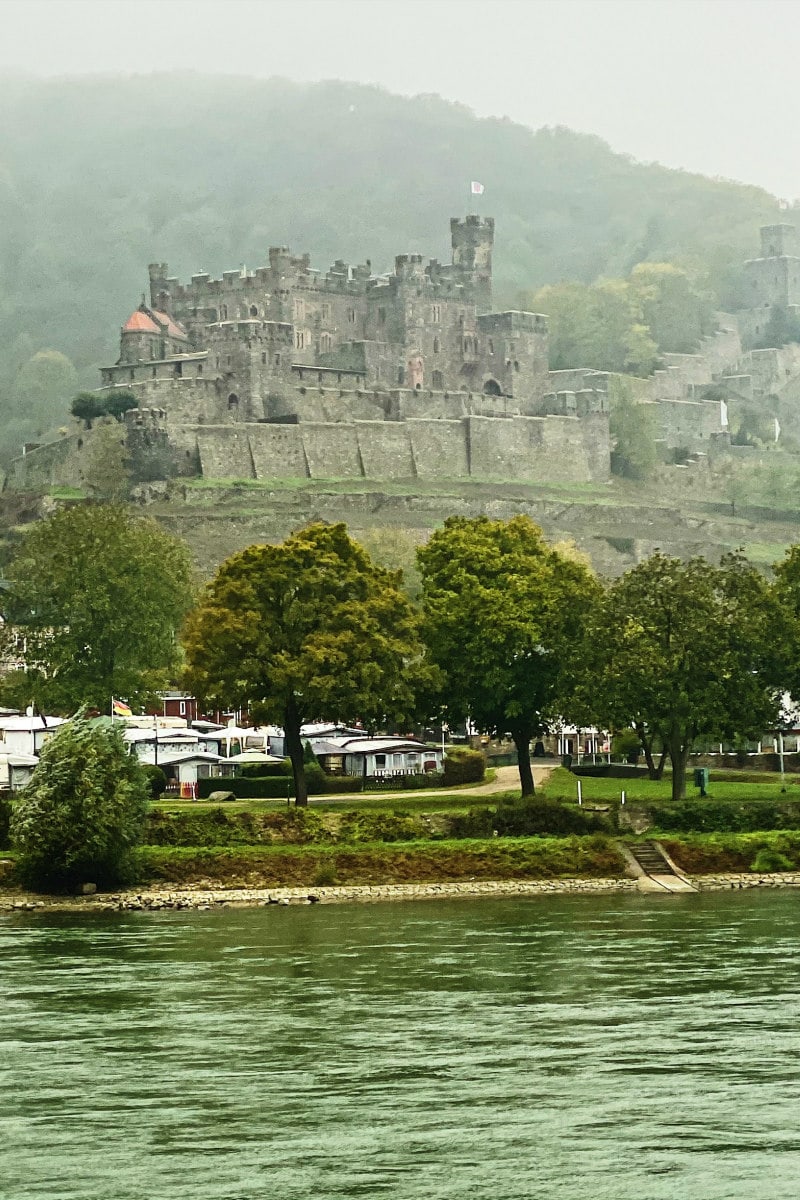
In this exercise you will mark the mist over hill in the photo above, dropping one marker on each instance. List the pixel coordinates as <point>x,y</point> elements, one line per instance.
<point>100,176</point>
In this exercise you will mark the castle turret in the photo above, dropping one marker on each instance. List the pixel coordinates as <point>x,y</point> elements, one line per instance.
<point>472,239</point>
<point>159,286</point>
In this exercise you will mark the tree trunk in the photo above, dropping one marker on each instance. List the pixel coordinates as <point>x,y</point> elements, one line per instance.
<point>293,745</point>
<point>522,741</point>
<point>679,755</point>
<point>653,771</point>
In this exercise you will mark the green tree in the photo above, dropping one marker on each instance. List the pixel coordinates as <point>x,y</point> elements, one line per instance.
<point>681,651</point>
<point>675,307</point>
<point>86,407</point>
<point>309,629</point>
<point>81,817</point>
<point>98,593</point>
<point>118,402</point>
<point>503,615</point>
<point>632,428</point>
<point>107,473</point>
<point>42,388</point>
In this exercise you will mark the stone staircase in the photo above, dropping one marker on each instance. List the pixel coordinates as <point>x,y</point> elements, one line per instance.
<point>655,872</point>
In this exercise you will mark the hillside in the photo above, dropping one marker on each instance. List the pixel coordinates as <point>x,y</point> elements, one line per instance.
<point>100,176</point>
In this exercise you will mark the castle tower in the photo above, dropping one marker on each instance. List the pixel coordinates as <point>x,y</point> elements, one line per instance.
<point>774,278</point>
<point>472,239</point>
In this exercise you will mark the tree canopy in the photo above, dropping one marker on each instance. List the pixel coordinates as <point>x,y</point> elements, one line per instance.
<point>680,651</point>
<point>306,630</point>
<point>503,616</point>
<point>82,815</point>
<point>96,594</point>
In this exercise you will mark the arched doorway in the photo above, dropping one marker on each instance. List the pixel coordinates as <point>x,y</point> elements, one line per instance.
<point>492,388</point>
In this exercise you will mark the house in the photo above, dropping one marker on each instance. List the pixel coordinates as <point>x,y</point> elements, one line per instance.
<point>184,768</point>
<point>27,734</point>
<point>179,704</point>
<point>376,758</point>
<point>275,736</point>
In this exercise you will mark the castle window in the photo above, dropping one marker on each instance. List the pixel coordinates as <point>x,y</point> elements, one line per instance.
<point>199,368</point>
<point>436,345</point>
<point>325,342</point>
<point>381,316</point>
<point>132,375</point>
<point>401,376</point>
<point>233,402</point>
<point>299,339</point>
<point>277,360</point>
<point>299,310</point>
<point>491,346</point>
<point>177,370</point>
<point>253,310</point>
<point>326,312</point>
<point>516,365</point>
<point>437,381</point>
<point>153,372</point>
<point>264,357</point>
<point>224,312</point>
<point>228,360</point>
<point>436,313</point>
<point>213,315</point>
<point>217,360</point>
<point>351,316</point>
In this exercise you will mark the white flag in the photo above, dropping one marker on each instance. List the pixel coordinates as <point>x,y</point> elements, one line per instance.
<point>777,429</point>
<point>476,188</point>
<point>723,414</point>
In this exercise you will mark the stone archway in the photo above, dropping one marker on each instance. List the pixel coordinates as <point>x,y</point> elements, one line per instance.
<point>492,388</point>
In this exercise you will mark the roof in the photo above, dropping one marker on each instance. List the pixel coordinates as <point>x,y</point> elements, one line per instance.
<point>367,745</point>
<point>32,723</point>
<point>142,322</point>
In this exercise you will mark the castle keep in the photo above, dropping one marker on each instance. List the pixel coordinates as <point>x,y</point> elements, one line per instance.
<point>286,371</point>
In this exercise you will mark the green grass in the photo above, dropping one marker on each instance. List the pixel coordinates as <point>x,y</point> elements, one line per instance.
<point>562,785</point>
<point>412,802</point>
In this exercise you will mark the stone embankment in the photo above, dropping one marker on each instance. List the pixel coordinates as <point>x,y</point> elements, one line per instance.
<point>205,899</point>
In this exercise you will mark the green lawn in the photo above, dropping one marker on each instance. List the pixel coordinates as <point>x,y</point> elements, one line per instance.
<point>413,802</point>
<point>563,785</point>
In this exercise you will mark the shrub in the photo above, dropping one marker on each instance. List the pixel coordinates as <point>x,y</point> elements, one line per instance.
<point>536,816</point>
<point>316,779</point>
<point>82,816</point>
<point>156,780</point>
<point>477,823</point>
<point>381,827</point>
<point>5,819</point>
<point>721,816</point>
<point>770,859</point>
<point>462,765</point>
<point>265,770</point>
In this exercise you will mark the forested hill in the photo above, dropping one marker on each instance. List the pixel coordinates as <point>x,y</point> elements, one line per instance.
<point>100,176</point>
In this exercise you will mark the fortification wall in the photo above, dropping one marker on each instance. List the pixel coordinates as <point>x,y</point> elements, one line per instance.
<point>687,422</point>
<point>439,448</point>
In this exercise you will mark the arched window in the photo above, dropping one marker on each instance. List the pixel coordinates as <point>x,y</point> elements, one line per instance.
<point>437,345</point>
<point>492,388</point>
<point>233,402</point>
<point>253,310</point>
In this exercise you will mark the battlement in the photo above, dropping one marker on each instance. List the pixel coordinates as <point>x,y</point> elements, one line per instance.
<point>512,321</point>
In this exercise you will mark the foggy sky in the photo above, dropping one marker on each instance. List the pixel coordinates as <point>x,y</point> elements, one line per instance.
<point>708,85</point>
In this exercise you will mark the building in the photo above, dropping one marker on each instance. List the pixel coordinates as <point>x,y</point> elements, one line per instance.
<point>377,758</point>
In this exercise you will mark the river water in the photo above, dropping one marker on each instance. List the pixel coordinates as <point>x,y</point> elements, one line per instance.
<point>578,1048</point>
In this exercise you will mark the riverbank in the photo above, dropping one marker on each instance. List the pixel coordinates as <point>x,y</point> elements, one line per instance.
<point>205,899</point>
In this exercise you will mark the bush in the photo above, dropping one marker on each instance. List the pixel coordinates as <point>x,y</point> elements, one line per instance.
<point>265,770</point>
<point>5,819</point>
<point>193,827</point>
<point>721,816</point>
<point>82,816</point>
<point>462,765</point>
<point>535,817</point>
<point>477,823</point>
<point>316,779</point>
<point>156,780</point>
<point>382,827</point>
<point>770,859</point>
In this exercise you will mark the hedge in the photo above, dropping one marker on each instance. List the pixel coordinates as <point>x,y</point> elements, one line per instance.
<point>277,787</point>
<point>462,765</point>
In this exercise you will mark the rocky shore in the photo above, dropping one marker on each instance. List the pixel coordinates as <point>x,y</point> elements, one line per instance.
<point>206,899</point>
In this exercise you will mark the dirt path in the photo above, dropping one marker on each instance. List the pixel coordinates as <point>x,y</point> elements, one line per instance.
<point>505,780</point>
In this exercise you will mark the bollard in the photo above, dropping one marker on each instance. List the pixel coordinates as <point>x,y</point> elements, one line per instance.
<point>580,793</point>
<point>622,798</point>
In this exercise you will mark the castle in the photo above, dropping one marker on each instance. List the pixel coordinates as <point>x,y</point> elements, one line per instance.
<point>290,372</point>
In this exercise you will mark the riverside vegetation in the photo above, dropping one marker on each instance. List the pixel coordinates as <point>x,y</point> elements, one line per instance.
<point>508,632</point>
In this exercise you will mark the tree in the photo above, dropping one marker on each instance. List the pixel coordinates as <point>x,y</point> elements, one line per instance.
<point>107,474</point>
<point>503,614</point>
<point>632,429</point>
<point>309,629</point>
<point>86,407</point>
<point>680,651</point>
<point>42,387</point>
<point>118,402</point>
<point>675,307</point>
<point>98,593</point>
<point>82,816</point>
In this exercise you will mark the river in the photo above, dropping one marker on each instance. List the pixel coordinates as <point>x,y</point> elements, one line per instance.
<point>575,1048</point>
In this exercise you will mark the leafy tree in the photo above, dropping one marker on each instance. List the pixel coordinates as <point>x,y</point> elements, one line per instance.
<point>118,402</point>
<point>82,816</point>
<point>676,309</point>
<point>310,629</point>
<point>41,388</point>
<point>632,428</point>
<point>98,593</point>
<point>682,651</point>
<point>595,326</point>
<point>107,474</point>
<point>86,407</point>
<point>503,614</point>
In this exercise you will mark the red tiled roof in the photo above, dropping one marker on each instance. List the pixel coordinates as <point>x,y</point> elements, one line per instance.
<point>140,322</point>
<point>174,329</point>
